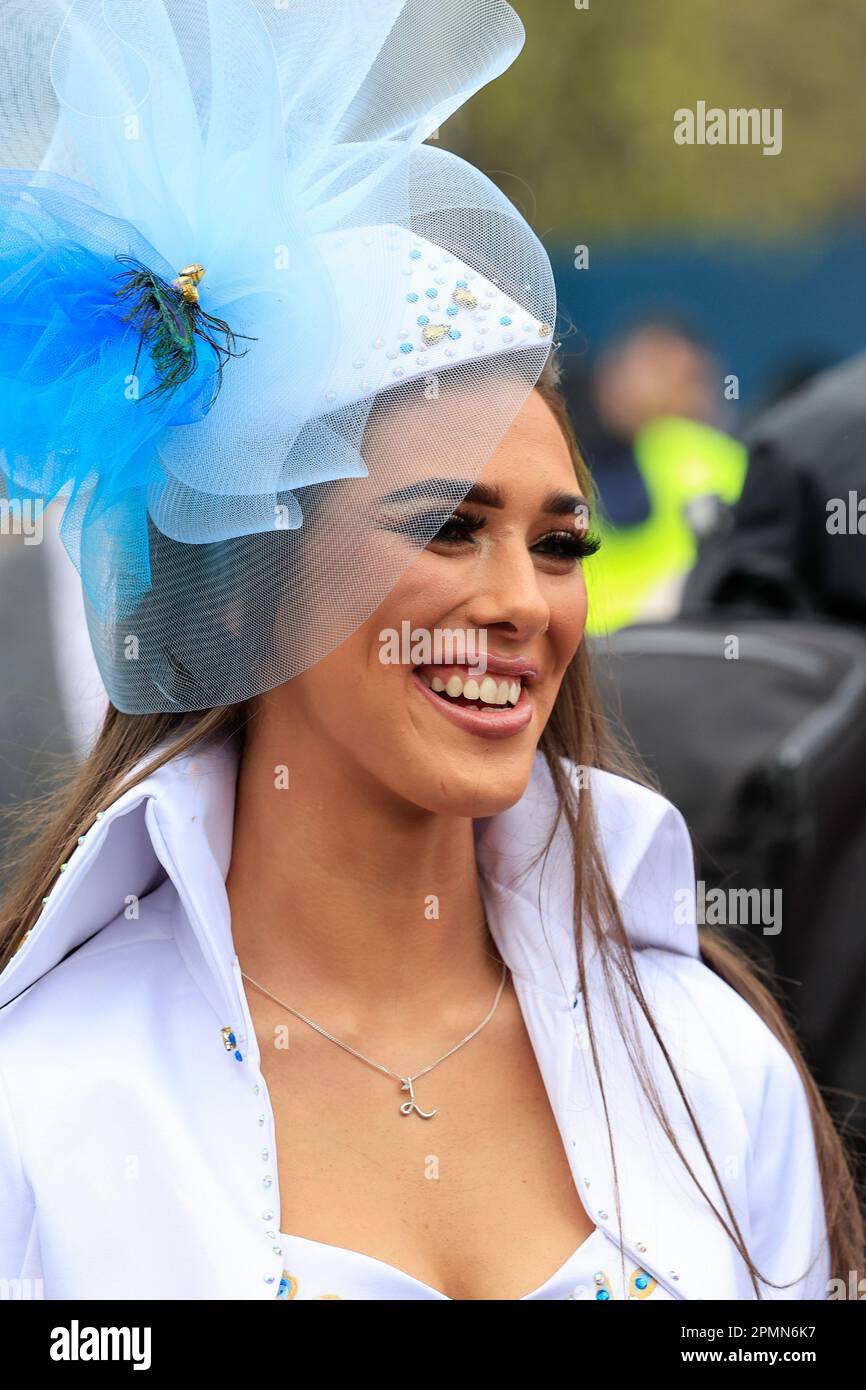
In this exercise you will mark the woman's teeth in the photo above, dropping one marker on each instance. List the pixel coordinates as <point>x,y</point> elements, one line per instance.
<point>486,692</point>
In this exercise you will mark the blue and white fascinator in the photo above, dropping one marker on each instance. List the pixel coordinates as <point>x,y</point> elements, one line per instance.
<point>257,334</point>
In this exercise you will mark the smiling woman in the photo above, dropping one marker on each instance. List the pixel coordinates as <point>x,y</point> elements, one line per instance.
<point>505,563</point>
<point>332,976</point>
<point>405,880</point>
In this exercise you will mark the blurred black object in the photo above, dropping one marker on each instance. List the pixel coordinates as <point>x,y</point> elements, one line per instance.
<point>761,742</point>
<point>773,552</point>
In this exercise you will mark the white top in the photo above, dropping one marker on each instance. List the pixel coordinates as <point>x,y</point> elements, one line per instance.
<point>138,1153</point>
<point>313,1269</point>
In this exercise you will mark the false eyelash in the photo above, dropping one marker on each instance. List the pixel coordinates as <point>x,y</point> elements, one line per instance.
<point>429,526</point>
<point>467,523</point>
<point>463,525</point>
<point>572,546</point>
<point>567,544</point>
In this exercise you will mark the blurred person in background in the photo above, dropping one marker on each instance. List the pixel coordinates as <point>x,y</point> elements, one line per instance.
<point>662,465</point>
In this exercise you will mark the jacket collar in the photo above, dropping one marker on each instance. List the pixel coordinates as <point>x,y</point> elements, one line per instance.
<point>178,822</point>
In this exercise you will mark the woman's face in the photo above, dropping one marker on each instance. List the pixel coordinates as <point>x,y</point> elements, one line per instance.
<point>505,571</point>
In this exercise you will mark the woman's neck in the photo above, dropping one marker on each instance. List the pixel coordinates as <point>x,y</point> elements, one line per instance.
<point>349,903</point>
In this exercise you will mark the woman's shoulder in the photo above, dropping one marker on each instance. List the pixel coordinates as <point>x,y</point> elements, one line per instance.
<point>646,838</point>
<point>91,987</point>
<point>650,862</point>
<point>752,1102</point>
<point>634,819</point>
<point>721,1036</point>
<point>643,823</point>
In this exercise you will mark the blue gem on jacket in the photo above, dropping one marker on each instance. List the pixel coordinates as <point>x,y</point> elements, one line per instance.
<point>230,1043</point>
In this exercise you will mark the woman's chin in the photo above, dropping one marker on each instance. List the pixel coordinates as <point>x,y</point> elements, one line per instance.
<point>473,791</point>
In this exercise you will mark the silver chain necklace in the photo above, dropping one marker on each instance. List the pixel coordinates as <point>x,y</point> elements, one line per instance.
<point>411,1104</point>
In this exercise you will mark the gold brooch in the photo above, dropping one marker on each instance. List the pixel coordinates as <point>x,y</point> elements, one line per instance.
<point>434,332</point>
<point>186,282</point>
<point>464,297</point>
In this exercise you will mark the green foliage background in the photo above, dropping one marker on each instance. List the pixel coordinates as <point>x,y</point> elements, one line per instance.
<point>579,131</point>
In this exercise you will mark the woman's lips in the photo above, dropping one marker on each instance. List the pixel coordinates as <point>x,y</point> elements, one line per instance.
<point>493,721</point>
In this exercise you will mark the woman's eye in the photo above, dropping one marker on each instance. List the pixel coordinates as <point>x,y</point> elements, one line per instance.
<point>457,528</point>
<point>433,526</point>
<point>567,545</point>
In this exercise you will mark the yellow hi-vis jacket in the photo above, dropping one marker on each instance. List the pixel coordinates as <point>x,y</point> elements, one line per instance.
<point>679,460</point>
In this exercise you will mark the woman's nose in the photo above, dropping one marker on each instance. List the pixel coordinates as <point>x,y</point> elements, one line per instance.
<point>508,593</point>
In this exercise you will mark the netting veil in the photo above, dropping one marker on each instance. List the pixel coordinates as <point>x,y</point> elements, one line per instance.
<point>258,334</point>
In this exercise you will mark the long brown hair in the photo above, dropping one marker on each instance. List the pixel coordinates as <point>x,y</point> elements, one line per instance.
<point>576,731</point>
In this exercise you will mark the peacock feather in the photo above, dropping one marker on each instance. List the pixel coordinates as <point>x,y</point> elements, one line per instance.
<point>171,322</point>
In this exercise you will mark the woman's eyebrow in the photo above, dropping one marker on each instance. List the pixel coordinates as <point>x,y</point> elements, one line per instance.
<point>564,503</point>
<point>482,494</point>
<point>431,490</point>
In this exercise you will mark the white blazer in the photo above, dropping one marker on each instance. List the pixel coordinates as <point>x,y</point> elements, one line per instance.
<point>137,1152</point>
